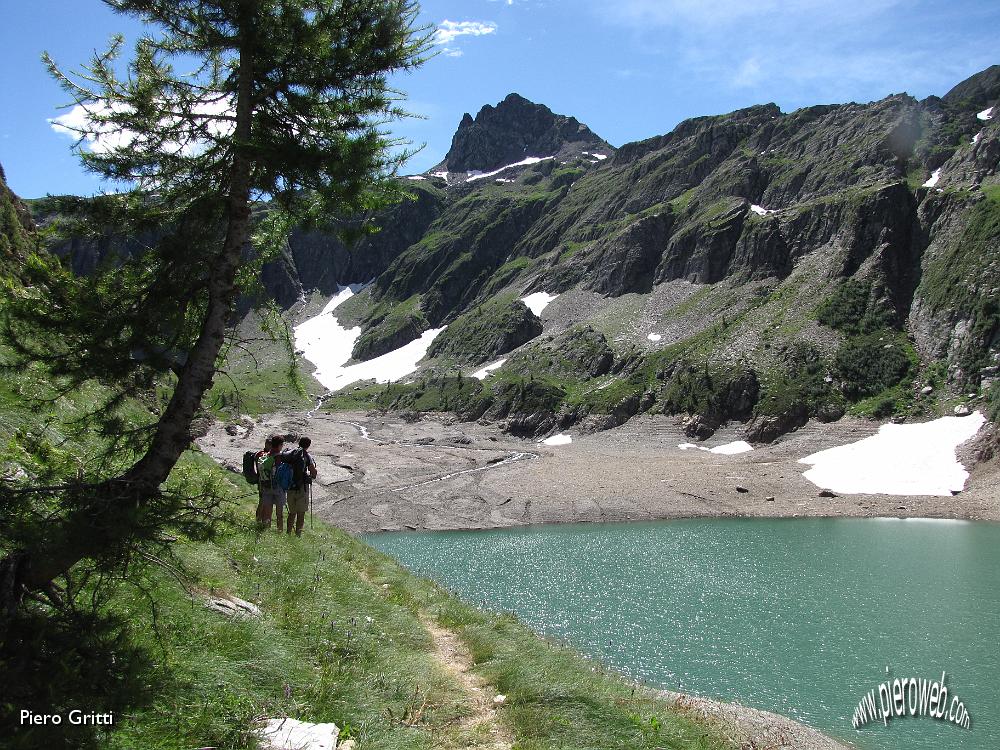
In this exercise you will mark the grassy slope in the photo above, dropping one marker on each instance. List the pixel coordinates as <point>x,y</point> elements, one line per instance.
<point>334,645</point>
<point>340,638</point>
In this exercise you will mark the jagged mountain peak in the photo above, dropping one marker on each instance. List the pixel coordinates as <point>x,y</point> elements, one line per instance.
<point>512,130</point>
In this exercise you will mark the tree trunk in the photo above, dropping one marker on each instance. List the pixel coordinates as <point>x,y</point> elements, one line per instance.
<point>82,535</point>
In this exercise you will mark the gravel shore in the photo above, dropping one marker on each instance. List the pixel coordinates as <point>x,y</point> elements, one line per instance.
<point>752,728</point>
<point>381,473</point>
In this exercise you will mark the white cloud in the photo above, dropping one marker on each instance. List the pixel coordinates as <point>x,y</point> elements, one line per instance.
<point>448,31</point>
<point>83,122</point>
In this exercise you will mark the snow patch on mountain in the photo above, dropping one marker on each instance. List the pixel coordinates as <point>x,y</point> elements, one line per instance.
<point>561,439</point>
<point>477,175</point>
<point>538,301</point>
<point>328,345</point>
<point>729,449</point>
<point>486,371</point>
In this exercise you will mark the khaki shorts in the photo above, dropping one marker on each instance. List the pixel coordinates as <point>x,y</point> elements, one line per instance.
<point>298,501</point>
<point>271,496</point>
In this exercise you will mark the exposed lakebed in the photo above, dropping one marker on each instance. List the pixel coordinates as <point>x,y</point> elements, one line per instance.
<point>796,616</point>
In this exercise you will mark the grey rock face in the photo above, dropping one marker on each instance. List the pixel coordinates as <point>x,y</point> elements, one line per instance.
<point>511,131</point>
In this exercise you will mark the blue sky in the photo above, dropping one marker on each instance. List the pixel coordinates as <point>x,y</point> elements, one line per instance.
<point>630,69</point>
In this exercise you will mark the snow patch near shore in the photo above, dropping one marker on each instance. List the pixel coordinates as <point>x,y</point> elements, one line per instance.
<point>289,734</point>
<point>328,345</point>
<point>729,449</point>
<point>561,439</point>
<point>901,459</point>
<point>538,301</point>
<point>486,371</point>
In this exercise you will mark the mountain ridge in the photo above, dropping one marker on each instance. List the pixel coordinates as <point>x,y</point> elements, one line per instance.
<point>757,265</point>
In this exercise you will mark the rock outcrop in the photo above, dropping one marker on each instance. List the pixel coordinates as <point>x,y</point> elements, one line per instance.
<point>486,332</point>
<point>513,130</point>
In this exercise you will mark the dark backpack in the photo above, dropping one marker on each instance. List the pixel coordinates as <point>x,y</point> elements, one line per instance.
<point>297,460</point>
<point>250,467</point>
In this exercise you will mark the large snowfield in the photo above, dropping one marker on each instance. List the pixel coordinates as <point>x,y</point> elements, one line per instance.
<point>328,345</point>
<point>901,459</point>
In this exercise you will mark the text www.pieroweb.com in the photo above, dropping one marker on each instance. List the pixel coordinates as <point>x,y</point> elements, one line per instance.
<point>913,696</point>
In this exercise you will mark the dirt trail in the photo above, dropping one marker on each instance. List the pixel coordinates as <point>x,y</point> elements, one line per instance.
<point>456,660</point>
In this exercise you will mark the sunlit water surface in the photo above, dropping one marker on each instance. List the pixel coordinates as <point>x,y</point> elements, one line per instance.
<point>796,616</point>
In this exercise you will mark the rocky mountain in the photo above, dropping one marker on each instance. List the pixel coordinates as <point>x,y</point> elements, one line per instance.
<point>512,131</point>
<point>763,266</point>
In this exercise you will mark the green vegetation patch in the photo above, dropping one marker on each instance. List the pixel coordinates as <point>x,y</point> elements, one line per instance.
<point>851,310</point>
<point>799,385</point>
<point>961,278</point>
<point>389,326</point>
<point>869,364</point>
<point>435,392</point>
<point>487,331</point>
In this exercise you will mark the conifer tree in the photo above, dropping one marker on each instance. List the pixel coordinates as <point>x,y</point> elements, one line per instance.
<point>229,108</point>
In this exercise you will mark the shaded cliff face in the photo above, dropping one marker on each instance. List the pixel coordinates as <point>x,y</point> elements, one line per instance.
<point>511,131</point>
<point>316,261</point>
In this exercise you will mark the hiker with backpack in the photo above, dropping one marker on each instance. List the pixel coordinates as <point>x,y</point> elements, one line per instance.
<point>250,459</point>
<point>303,473</point>
<point>272,472</point>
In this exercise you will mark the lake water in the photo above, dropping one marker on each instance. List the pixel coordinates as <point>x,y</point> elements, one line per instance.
<point>796,616</point>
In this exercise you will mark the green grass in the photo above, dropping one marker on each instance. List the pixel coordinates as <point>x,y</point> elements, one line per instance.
<point>341,640</point>
<point>571,248</point>
<point>680,203</point>
<point>255,391</point>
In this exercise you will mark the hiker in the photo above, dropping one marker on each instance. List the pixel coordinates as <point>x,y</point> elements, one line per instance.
<point>303,472</point>
<point>271,494</point>
<point>255,478</point>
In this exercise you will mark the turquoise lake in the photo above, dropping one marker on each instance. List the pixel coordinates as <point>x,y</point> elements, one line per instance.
<point>796,616</point>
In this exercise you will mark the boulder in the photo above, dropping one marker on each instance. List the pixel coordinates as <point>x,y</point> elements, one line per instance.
<point>290,734</point>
